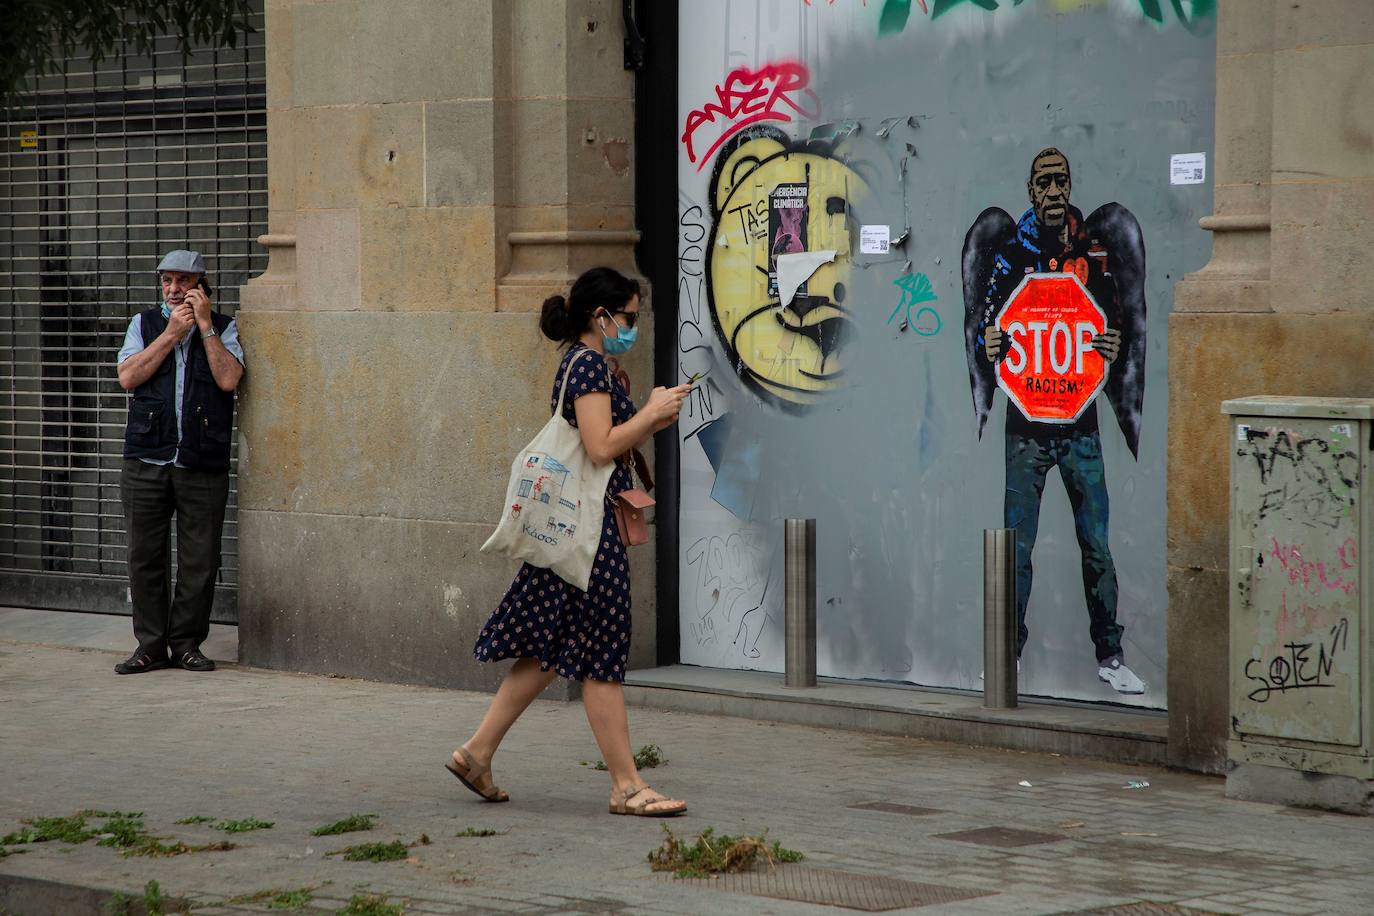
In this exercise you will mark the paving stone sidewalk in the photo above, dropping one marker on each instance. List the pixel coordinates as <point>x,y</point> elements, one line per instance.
<point>302,751</point>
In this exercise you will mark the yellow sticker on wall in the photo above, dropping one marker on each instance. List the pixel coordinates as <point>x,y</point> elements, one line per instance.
<point>28,139</point>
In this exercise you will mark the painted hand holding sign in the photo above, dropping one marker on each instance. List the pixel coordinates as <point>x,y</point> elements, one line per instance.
<point>1051,371</point>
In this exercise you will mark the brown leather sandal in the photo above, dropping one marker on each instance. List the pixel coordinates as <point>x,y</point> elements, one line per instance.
<point>469,774</point>
<point>642,809</point>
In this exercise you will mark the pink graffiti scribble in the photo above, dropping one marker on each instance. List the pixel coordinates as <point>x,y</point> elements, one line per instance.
<point>750,96</point>
<point>1317,576</point>
<point>1305,619</point>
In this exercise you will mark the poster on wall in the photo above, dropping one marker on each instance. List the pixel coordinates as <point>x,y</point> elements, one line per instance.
<point>994,357</point>
<point>786,228</point>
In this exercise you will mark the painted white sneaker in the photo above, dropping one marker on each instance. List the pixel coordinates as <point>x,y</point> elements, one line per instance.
<point>1114,673</point>
<point>1018,669</point>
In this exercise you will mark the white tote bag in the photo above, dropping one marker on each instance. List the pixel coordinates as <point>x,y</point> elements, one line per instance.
<point>555,501</point>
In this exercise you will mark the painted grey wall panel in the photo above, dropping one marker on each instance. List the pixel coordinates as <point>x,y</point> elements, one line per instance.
<point>858,402</point>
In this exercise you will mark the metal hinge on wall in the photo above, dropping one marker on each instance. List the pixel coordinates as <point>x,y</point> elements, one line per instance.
<point>634,39</point>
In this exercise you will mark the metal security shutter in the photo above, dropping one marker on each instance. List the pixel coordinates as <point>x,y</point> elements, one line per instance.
<point>102,170</point>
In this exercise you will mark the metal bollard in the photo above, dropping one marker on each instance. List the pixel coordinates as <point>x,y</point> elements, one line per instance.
<point>999,618</point>
<point>799,598</point>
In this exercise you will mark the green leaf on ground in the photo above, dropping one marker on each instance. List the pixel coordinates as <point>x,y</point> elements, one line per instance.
<point>350,824</point>
<point>370,905</point>
<point>196,819</point>
<point>476,831</point>
<point>151,847</point>
<point>712,854</point>
<point>243,826</point>
<point>278,899</point>
<point>124,824</point>
<point>42,829</point>
<point>373,852</point>
<point>646,758</point>
<point>124,832</point>
<point>379,852</point>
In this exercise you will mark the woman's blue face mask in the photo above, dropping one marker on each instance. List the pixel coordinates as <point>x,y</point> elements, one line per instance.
<point>623,340</point>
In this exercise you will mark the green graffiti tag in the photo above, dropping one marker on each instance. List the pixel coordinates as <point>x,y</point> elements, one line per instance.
<point>894,16</point>
<point>1189,13</point>
<point>944,6</point>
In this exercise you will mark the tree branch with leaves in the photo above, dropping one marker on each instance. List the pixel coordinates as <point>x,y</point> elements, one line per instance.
<point>39,36</point>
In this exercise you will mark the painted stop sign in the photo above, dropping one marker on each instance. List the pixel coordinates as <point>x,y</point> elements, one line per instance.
<point>1048,367</point>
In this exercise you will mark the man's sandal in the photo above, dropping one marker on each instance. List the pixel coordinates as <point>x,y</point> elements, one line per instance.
<point>469,774</point>
<point>645,808</point>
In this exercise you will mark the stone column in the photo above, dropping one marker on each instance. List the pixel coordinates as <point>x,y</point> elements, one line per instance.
<point>435,170</point>
<point>1284,307</point>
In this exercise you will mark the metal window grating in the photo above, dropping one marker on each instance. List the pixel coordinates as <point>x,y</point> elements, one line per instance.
<point>103,168</point>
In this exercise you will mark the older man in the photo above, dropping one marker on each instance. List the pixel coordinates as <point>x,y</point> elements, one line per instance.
<point>182,362</point>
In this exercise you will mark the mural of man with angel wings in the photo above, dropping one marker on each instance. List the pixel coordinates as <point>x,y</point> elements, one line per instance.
<point>1107,253</point>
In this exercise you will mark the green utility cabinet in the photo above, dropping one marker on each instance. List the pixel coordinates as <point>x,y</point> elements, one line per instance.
<point>1302,709</point>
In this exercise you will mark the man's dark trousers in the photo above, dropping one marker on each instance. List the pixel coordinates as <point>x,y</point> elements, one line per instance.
<point>151,493</point>
<point>1079,458</point>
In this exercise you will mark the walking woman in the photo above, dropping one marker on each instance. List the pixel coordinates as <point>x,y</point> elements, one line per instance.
<point>552,627</point>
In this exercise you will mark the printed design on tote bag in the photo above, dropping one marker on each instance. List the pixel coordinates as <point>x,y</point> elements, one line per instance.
<point>543,482</point>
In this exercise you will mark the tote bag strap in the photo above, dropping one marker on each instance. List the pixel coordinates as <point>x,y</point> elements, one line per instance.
<point>563,389</point>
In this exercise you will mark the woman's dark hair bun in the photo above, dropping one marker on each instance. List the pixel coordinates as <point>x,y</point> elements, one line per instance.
<point>564,320</point>
<point>554,319</point>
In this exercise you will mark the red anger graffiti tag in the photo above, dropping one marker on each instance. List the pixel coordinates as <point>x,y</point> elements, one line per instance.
<point>750,96</point>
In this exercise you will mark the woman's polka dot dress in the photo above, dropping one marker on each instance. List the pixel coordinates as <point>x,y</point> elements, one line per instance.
<point>579,634</point>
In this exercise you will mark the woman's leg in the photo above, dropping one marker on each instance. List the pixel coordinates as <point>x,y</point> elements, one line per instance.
<point>522,684</point>
<point>605,705</point>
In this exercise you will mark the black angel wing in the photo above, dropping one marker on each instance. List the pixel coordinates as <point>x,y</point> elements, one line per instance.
<point>1115,228</point>
<point>989,235</point>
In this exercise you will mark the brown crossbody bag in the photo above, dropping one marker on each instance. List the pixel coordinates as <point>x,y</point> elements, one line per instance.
<point>630,505</point>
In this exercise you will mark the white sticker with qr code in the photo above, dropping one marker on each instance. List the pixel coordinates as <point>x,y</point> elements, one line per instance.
<point>1187,168</point>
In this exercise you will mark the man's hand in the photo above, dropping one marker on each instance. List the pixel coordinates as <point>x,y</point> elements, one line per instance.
<point>180,323</point>
<point>992,342</point>
<point>200,303</point>
<point>1108,343</point>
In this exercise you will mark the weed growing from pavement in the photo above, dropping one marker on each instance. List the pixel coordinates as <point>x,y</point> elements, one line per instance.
<point>370,905</point>
<point>154,849</point>
<point>154,903</point>
<point>379,852</point>
<point>476,831</point>
<point>646,758</point>
<point>712,854</point>
<point>42,829</point>
<point>278,899</point>
<point>243,826</point>
<point>350,824</point>
<point>196,819</point>
<point>123,832</point>
<point>152,899</point>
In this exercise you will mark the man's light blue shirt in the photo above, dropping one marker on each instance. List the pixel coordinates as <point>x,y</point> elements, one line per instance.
<point>134,344</point>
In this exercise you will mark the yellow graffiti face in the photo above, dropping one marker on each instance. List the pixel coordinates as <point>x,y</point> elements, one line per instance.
<point>792,354</point>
